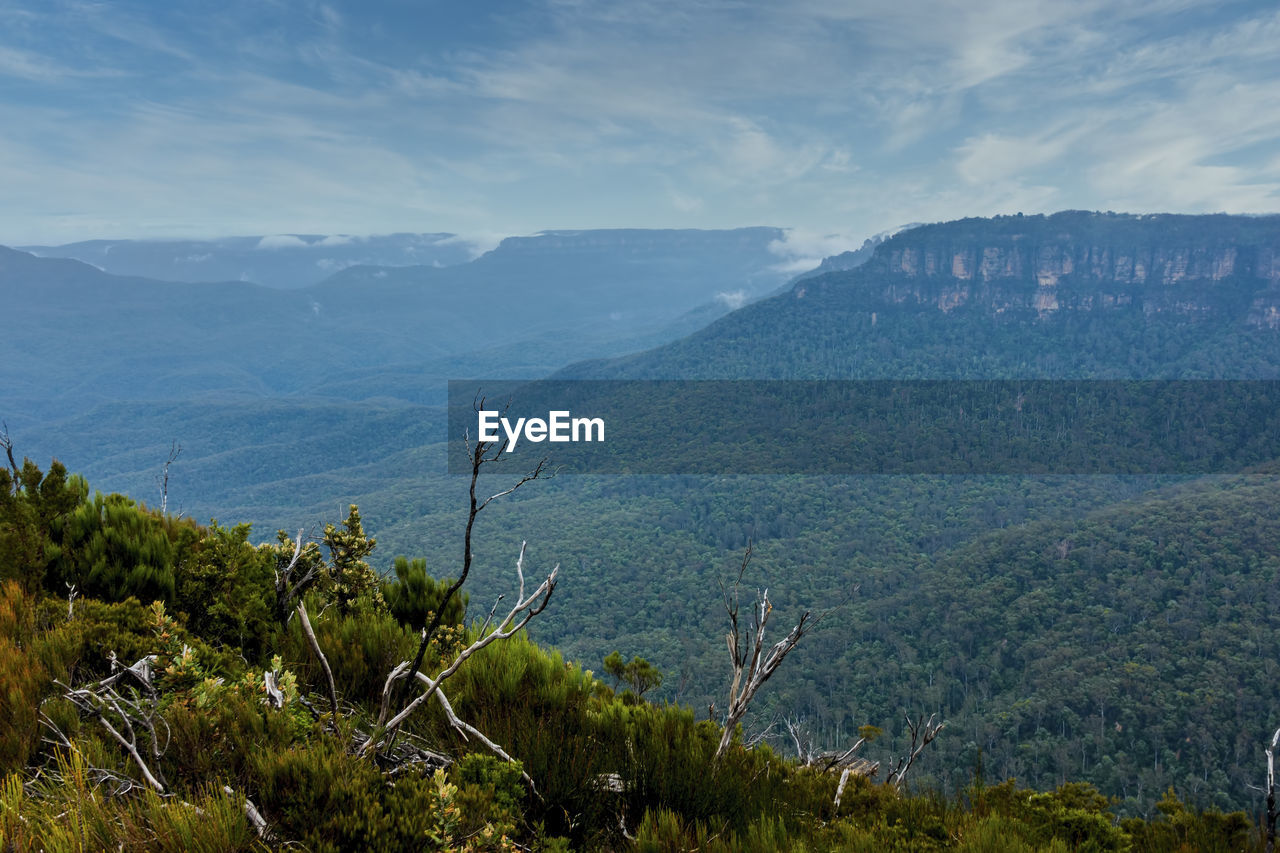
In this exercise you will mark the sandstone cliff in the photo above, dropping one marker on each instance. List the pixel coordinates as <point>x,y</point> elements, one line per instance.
<point>1073,261</point>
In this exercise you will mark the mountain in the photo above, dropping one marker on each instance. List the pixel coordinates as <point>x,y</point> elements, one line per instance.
<point>1072,294</point>
<point>1107,628</point>
<point>524,309</point>
<point>278,260</point>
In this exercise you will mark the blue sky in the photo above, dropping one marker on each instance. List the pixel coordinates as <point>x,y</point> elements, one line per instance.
<point>836,119</point>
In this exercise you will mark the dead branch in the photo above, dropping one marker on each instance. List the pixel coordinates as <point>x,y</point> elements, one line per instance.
<point>289,592</point>
<point>319,653</point>
<point>256,820</point>
<point>466,729</point>
<point>119,716</point>
<point>1271,792</point>
<point>120,785</point>
<point>525,608</point>
<point>922,734</point>
<point>7,443</point>
<point>760,736</point>
<point>828,762</point>
<point>289,589</point>
<point>752,664</point>
<point>162,479</point>
<point>275,696</point>
<point>479,454</point>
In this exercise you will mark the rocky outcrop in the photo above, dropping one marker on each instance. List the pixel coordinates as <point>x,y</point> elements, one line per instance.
<point>1075,261</point>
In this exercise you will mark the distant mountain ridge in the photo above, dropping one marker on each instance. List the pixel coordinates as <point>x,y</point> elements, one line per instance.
<point>1082,261</point>
<point>284,261</point>
<point>1071,294</point>
<point>523,309</point>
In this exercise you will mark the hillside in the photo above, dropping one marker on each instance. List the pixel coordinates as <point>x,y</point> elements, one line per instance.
<point>1141,297</point>
<point>255,716</point>
<point>1072,294</point>
<point>523,309</point>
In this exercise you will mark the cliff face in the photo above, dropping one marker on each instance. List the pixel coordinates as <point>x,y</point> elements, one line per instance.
<point>1082,262</point>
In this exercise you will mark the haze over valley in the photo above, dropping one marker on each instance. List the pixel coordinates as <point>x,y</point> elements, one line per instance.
<point>243,257</point>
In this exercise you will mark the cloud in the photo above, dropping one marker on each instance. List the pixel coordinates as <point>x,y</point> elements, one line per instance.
<point>330,265</point>
<point>281,241</point>
<point>733,299</point>
<point>477,243</point>
<point>992,157</point>
<point>832,117</point>
<point>684,202</point>
<point>28,66</point>
<point>800,249</point>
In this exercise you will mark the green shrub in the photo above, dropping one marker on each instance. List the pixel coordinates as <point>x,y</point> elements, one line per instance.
<point>414,595</point>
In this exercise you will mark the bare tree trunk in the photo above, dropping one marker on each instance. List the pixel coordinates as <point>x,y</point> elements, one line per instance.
<point>752,665</point>
<point>175,450</point>
<point>1271,792</point>
<point>479,454</point>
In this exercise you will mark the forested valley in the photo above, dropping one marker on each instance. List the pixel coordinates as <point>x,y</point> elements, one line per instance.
<point>1099,648</point>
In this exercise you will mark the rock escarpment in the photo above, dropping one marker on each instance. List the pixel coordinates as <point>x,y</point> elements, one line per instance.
<point>1073,261</point>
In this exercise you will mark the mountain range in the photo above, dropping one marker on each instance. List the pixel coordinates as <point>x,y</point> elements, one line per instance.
<point>1112,629</point>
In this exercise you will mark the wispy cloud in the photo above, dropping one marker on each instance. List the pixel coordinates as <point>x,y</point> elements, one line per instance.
<point>830,116</point>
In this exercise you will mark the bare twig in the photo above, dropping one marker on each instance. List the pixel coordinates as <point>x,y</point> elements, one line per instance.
<point>256,820</point>
<point>922,734</point>
<point>7,443</point>
<point>465,729</point>
<point>162,479</point>
<point>525,608</point>
<point>102,701</point>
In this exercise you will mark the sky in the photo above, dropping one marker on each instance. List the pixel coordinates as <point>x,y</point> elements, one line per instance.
<point>486,118</point>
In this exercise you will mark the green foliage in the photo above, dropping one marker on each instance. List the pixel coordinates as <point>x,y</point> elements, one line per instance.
<point>414,595</point>
<point>113,549</point>
<point>490,792</point>
<point>1178,828</point>
<point>31,505</point>
<point>664,830</point>
<point>225,589</point>
<point>362,646</point>
<point>602,763</point>
<point>66,812</point>
<point>352,579</point>
<point>331,802</point>
<point>638,673</point>
<point>22,679</point>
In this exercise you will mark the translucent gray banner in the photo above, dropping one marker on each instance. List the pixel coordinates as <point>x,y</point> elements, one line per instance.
<point>870,427</point>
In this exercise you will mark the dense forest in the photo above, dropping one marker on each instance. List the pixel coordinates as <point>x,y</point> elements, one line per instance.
<point>1101,639</point>
<point>171,686</point>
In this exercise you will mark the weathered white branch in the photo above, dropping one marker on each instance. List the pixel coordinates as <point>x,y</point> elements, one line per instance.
<point>525,608</point>
<point>464,728</point>
<point>90,702</point>
<point>319,653</point>
<point>844,778</point>
<point>256,820</point>
<point>1271,792</point>
<point>751,669</point>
